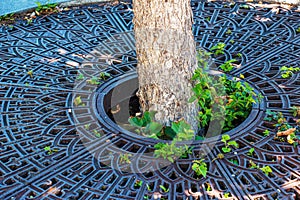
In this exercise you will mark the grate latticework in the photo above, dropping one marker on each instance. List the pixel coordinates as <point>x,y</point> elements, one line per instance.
<point>40,67</point>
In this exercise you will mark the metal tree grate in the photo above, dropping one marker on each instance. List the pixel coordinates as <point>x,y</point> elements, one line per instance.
<point>40,66</point>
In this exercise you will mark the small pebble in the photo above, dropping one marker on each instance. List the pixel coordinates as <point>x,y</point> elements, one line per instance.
<point>32,15</point>
<point>58,8</point>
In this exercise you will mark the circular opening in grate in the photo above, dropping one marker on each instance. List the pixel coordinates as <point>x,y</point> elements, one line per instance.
<point>116,102</point>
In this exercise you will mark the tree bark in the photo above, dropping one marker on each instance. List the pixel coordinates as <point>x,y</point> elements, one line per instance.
<point>166,56</point>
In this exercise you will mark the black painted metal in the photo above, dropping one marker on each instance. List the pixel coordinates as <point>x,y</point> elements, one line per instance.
<point>38,111</point>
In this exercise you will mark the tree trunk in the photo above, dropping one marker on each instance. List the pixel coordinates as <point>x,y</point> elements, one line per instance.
<point>166,56</point>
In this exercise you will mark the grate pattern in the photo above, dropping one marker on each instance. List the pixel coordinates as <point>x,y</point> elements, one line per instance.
<point>39,82</point>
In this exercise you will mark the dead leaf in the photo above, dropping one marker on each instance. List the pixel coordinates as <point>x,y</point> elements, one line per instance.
<point>287,132</point>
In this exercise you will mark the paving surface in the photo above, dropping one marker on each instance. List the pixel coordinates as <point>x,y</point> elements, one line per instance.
<point>8,6</point>
<point>51,148</point>
<point>12,6</point>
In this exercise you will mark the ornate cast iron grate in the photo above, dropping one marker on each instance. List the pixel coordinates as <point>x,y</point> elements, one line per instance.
<point>38,111</point>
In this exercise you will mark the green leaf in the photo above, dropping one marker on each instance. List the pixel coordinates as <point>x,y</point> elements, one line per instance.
<point>47,148</point>
<point>231,61</point>
<point>192,99</point>
<point>148,117</point>
<point>170,132</point>
<point>233,143</point>
<point>185,135</point>
<point>266,170</point>
<point>148,187</point>
<point>164,189</point>
<point>226,149</point>
<point>138,183</point>
<point>102,74</point>
<point>136,121</point>
<point>225,137</point>
<point>77,101</point>
<point>266,132</point>
<point>284,68</point>
<point>234,161</point>
<point>154,136</point>
<point>170,159</point>
<point>200,167</point>
<point>252,165</point>
<point>180,126</point>
<point>159,145</point>
<point>219,46</point>
<point>199,137</point>
<point>251,151</point>
<point>93,81</point>
<point>176,127</point>
<point>154,127</point>
<point>203,170</point>
<point>208,187</point>
<point>226,195</point>
<point>80,77</point>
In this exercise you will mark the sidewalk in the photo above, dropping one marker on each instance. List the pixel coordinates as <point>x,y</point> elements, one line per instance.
<point>12,6</point>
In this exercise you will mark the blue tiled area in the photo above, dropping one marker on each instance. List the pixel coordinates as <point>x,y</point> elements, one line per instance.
<point>11,6</point>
